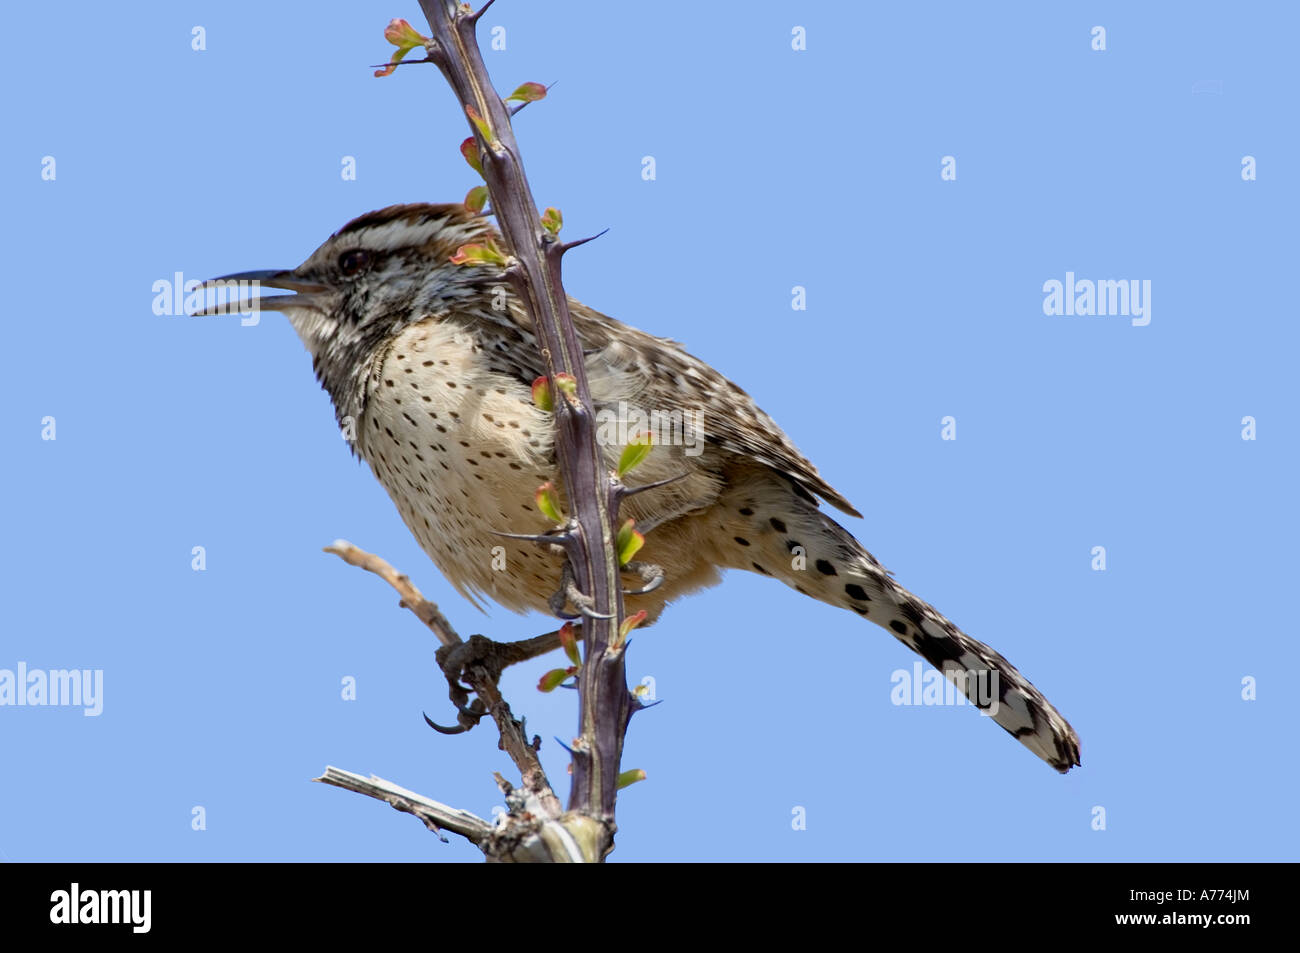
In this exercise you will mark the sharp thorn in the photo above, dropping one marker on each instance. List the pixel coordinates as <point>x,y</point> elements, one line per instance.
<point>559,539</point>
<point>427,59</point>
<point>581,241</point>
<point>473,17</point>
<point>634,490</point>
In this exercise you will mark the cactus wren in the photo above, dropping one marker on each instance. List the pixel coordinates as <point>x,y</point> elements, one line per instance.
<point>429,365</point>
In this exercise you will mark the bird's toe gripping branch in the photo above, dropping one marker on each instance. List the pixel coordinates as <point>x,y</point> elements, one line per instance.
<point>481,660</point>
<point>652,575</point>
<point>481,652</point>
<point>569,593</point>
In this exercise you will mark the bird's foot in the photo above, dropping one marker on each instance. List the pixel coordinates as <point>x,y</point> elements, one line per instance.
<point>570,593</point>
<point>483,659</point>
<point>651,574</point>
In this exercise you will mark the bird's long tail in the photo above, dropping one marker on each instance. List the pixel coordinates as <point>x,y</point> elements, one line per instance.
<point>785,535</point>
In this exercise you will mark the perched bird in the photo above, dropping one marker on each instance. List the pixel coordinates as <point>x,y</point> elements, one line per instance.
<point>430,366</point>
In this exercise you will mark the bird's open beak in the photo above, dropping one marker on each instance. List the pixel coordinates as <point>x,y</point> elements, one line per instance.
<point>224,295</point>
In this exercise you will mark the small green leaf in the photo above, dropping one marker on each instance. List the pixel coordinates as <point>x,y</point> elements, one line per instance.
<point>635,453</point>
<point>555,678</point>
<point>569,640</point>
<point>628,624</point>
<point>568,385</point>
<point>476,198</point>
<point>629,541</point>
<point>403,36</point>
<point>479,123</point>
<point>542,394</point>
<point>552,220</point>
<point>487,254</point>
<point>528,93</point>
<point>545,399</point>
<point>630,777</point>
<point>547,502</point>
<point>469,149</point>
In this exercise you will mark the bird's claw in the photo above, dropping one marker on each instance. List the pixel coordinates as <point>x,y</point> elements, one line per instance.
<point>652,575</point>
<point>454,659</point>
<point>570,593</point>
<point>444,730</point>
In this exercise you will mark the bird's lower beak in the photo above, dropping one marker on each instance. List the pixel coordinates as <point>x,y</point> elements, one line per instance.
<point>225,295</point>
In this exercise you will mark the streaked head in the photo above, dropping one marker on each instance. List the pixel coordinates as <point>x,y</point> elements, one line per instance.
<point>378,273</point>
<point>382,269</point>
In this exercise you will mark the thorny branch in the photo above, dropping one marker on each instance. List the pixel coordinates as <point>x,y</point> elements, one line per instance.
<point>536,829</point>
<point>534,270</point>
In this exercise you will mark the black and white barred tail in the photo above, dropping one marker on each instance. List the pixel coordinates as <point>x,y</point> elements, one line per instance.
<point>779,531</point>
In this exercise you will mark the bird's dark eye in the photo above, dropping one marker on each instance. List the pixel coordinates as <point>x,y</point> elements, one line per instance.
<point>354,262</point>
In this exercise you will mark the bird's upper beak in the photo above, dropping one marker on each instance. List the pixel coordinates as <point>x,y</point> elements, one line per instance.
<point>234,286</point>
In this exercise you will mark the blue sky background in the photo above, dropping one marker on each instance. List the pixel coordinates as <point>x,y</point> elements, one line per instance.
<point>775,168</point>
